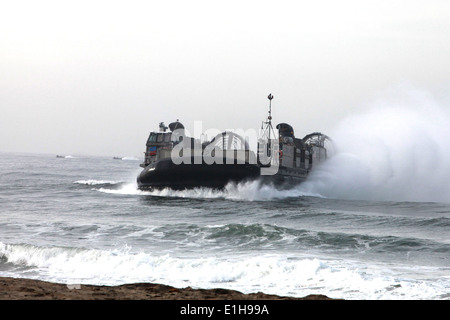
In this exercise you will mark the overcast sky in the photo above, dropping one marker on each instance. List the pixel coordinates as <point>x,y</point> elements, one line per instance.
<point>94,77</point>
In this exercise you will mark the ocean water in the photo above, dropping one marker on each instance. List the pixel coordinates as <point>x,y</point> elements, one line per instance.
<point>82,220</point>
<point>372,222</point>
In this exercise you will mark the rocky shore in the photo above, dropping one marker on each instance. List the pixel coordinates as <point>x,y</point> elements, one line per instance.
<point>28,289</point>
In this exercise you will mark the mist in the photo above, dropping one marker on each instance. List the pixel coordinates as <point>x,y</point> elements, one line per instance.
<point>397,150</point>
<point>94,77</point>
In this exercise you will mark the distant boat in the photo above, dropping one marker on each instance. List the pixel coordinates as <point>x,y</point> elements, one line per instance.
<point>59,156</point>
<point>117,158</point>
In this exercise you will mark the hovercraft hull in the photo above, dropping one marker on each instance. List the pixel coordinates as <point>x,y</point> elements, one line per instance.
<point>166,174</point>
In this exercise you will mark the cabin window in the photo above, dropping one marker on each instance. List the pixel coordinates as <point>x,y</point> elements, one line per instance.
<point>152,137</point>
<point>167,137</point>
<point>160,138</point>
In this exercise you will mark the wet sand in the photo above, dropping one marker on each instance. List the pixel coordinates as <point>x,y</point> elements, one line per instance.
<point>28,289</point>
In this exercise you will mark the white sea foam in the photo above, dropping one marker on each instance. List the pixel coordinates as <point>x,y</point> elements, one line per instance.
<point>93,182</point>
<point>246,191</point>
<point>398,150</point>
<point>130,159</point>
<point>276,274</point>
<point>124,189</point>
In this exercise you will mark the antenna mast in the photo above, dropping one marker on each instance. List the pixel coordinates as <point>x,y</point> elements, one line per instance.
<point>270,97</point>
<point>265,139</point>
<point>269,117</point>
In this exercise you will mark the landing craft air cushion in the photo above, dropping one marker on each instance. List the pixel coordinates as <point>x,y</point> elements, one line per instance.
<point>174,160</point>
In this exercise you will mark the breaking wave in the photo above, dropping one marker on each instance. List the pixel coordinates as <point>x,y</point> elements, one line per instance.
<point>272,273</point>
